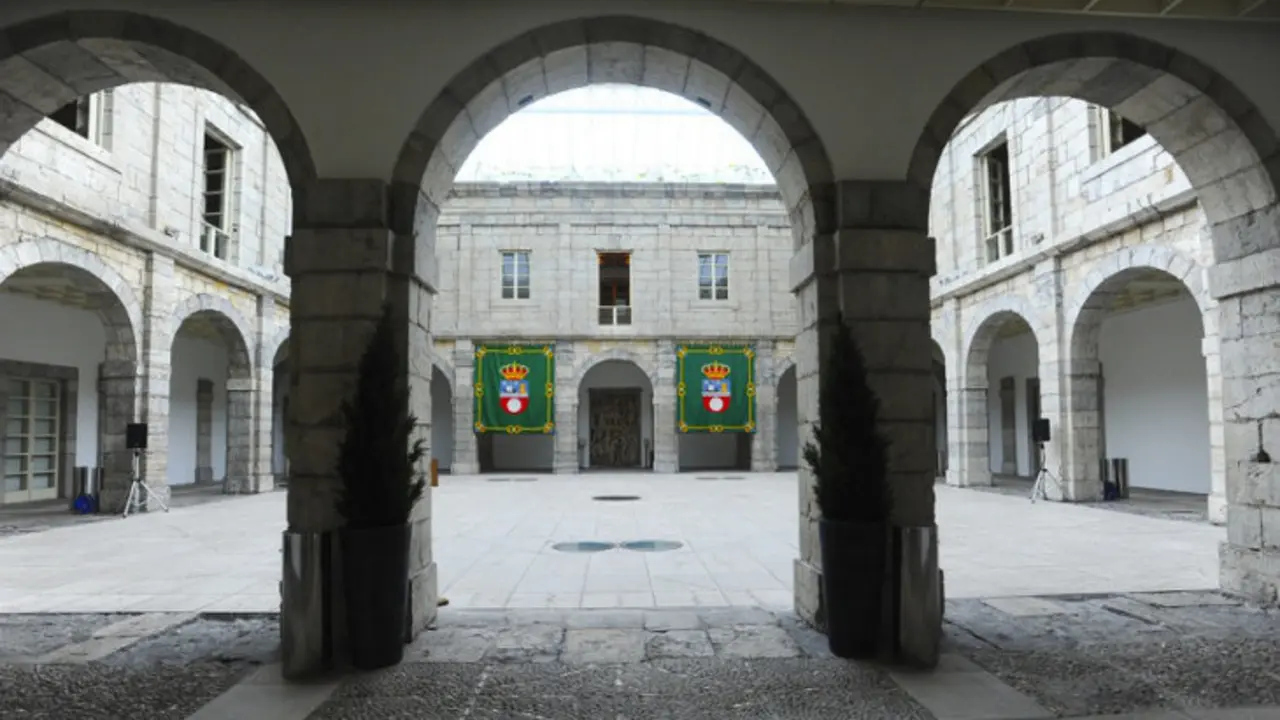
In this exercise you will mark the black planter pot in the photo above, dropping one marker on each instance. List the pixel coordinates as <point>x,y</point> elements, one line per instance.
<point>853,570</point>
<point>375,574</point>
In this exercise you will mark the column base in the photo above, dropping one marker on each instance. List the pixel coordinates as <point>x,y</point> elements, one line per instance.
<point>808,595</point>
<point>666,466</point>
<point>424,600</point>
<point>462,467</point>
<point>1217,509</point>
<point>1250,573</point>
<point>955,478</point>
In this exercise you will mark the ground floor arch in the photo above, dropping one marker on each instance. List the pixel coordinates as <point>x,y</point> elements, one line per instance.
<point>279,409</point>
<point>939,375</point>
<point>787,440</point>
<point>615,417</point>
<point>442,414</point>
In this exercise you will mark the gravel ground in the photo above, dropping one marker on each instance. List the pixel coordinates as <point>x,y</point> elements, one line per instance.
<point>1120,654</point>
<point>101,692</point>
<point>32,635</point>
<point>235,641</point>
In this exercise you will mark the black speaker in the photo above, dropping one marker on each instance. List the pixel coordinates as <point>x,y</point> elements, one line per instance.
<point>1040,430</point>
<point>135,436</point>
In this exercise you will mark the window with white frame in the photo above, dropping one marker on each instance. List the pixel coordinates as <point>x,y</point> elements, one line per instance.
<point>32,440</point>
<point>218,196</point>
<point>1111,131</point>
<point>515,274</point>
<point>713,276</point>
<point>90,117</point>
<point>997,202</point>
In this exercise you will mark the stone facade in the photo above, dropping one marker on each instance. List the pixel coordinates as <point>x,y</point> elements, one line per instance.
<point>1085,219</point>
<point>112,203</point>
<point>563,227</point>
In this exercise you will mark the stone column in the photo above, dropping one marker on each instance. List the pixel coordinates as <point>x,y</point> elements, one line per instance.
<point>240,451</point>
<point>565,459</point>
<point>466,457</point>
<point>969,455</point>
<point>1211,347</point>
<point>763,440</point>
<point>117,398</point>
<point>1248,292</point>
<point>665,448</point>
<point>204,430</point>
<point>875,269</point>
<point>159,299</point>
<point>347,256</point>
<point>263,411</point>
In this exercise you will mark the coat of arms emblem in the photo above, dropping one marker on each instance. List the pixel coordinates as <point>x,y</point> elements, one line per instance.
<point>716,387</point>
<point>513,389</point>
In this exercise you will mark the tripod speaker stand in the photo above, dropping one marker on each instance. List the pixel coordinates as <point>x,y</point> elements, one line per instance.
<point>1040,436</point>
<point>140,494</point>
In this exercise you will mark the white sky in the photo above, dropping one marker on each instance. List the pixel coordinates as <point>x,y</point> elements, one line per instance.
<point>615,133</point>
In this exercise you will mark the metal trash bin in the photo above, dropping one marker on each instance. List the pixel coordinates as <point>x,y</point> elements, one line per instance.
<point>85,484</point>
<point>305,637</point>
<point>1120,477</point>
<point>917,596</point>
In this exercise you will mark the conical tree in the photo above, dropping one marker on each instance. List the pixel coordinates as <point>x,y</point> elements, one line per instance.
<point>378,459</point>
<point>848,455</point>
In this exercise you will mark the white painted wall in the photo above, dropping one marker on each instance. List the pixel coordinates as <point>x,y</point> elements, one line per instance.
<point>1156,395</point>
<point>614,374</point>
<point>1016,356</point>
<point>787,426</point>
<point>526,453</point>
<point>195,358</point>
<point>40,331</point>
<point>441,420</point>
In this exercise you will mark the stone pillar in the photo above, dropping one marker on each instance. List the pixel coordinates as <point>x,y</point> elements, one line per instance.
<point>1072,451</point>
<point>241,394</point>
<point>117,401</point>
<point>875,269</point>
<point>1079,440</point>
<point>159,298</point>
<point>345,259</point>
<point>763,451</point>
<point>565,458</point>
<point>204,430</point>
<point>466,458</point>
<point>1211,347</point>
<point>1248,292</point>
<point>665,441</point>
<point>969,455</point>
<point>263,411</point>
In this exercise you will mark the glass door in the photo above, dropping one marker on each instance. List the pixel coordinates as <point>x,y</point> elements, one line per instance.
<point>31,441</point>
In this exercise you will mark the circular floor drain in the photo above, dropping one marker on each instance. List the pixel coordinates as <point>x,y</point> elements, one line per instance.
<point>616,498</point>
<point>651,545</point>
<point>585,546</point>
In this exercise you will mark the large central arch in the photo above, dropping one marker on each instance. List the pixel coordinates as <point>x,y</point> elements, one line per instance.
<point>630,50</point>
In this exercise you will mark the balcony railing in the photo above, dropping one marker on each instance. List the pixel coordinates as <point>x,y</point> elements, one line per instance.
<point>999,244</point>
<point>213,240</point>
<point>615,315</point>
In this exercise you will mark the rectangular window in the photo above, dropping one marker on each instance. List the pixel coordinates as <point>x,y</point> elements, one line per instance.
<point>32,441</point>
<point>90,117</point>
<point>515,275</point>
<point>1111,131</point>
<point>615,288</point>
<point>713,276</point>
<point>997,206</point>
<point>217,195</point>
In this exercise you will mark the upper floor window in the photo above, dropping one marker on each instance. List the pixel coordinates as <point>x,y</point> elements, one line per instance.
<point>1111,131</point>
<point>515,275</point>
<point>713,276</point>
<point>615,288</point>
<point>218,193</point>
<point>90,117</point>
<point>997,202</point>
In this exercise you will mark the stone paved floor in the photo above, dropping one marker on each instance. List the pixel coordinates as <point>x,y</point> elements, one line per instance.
<point>1145,655</point>
<point>493,546</point>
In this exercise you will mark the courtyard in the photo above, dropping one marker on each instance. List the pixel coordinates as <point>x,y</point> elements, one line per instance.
<point>499,544</point>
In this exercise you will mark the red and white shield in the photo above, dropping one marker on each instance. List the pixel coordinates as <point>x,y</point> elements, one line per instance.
<point>715,403</point>
<point>514,404</point>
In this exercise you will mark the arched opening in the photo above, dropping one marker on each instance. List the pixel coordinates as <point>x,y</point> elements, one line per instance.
<point>68,376</point>
<point>939,374</point>
<point>615,417</point>
<point>1002,395</point>
<point>442,415</point>
<point>279,414</point>
<point>210,431</point>
<point>1138,367</point>
<point>787,429</point>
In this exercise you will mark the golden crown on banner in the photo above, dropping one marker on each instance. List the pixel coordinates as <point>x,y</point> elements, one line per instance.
<point>513,371</point>
<point>716,370</point>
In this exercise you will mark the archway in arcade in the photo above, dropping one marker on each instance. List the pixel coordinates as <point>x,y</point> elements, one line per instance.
<point>68,354</point>
<point>443,413</point>
<point>210,432</point>
<point>1002,381</point>
<point>787,441</point>
<point>939,374</point>
<point>615,417</point>
<point>279,414</point>
<point>1137,350</point>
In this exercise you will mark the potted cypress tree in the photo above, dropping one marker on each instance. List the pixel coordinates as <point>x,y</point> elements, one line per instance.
<point>849,458</point>
<point>378,465</point>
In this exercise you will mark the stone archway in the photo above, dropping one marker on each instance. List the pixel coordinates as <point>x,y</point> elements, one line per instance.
<point>443,415</point>
<point>51,271</point>
<point>1123,405</point>
<point>941,421</point>
<point>971,461</point>
<point>786,431</point>
<point>79,52</point>
<point>616,412</point>
<point>276,353</point>
<point>194,387</point>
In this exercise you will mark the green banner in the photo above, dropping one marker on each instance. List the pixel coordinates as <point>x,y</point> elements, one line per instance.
<point>715,388</point>
<point>515,387</point>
